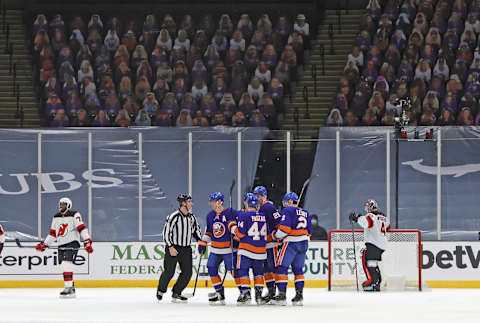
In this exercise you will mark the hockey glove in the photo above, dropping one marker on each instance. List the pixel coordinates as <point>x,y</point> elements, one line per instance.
<point>272,235</point>
<point>353,217</point>
<point>1,248</point>
<point>202,247</point>
<point>88,245</point>
<point>233,230</point>
<point>42,246</point>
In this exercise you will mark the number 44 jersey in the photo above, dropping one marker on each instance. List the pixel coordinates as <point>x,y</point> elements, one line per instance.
<point>375,226</point>
<point>295,225</point>
<point>252,232</point>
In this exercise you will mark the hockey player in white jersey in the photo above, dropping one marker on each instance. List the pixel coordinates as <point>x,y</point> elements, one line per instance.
<point>375,227</point>
<point>2,238</point>
<point>66,229</point>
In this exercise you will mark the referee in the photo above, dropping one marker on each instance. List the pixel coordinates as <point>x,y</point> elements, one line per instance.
<point>179,229</point>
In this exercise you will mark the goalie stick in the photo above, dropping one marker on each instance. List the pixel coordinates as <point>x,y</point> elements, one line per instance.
<point>355,256</point>
<point>19,244</point>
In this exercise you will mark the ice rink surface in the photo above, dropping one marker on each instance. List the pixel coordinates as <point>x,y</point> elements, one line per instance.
<point>140,305</point>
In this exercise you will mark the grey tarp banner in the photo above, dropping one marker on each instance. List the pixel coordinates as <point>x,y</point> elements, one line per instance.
<point>363,176</point>
<point>114,176</point>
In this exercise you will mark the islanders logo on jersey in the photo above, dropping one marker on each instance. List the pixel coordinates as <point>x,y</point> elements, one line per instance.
<point>218,229</point>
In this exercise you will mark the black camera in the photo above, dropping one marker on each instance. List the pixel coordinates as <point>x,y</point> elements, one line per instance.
<point>402,120</point>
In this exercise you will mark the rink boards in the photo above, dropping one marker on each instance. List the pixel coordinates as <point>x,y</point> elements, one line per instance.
<point>139,264</point>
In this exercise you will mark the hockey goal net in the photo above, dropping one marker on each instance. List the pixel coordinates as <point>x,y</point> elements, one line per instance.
<point>400,266</point>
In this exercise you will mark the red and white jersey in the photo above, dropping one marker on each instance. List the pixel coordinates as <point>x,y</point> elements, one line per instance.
<point>375,227</point>
<point>66,228</point>
<point>2,235</point>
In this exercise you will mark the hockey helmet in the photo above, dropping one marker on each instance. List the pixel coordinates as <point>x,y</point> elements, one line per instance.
<point>217,196</point>
<point>260,190</point>
<point>183,198</point>
<point>67,201</point>
<point>371,205</point>
<point>290,196</point>
<point>252,200</point>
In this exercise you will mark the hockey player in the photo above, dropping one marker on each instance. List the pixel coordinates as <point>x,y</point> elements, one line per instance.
<point>66,229</point>
<point>2,238</point>
<point>220,238</point>
<point>251,229</point>
<point>375,226</point>
<point>245,202</point>
<point>294,230</point>
<point>273,219</point>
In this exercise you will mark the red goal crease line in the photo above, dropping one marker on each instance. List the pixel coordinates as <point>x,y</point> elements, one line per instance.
<point>203,284</point>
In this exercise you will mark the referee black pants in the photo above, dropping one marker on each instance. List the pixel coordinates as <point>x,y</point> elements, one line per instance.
<point>184,259</point>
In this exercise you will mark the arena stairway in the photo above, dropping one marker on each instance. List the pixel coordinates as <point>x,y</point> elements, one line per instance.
<point>320,105</point>
<point>21,56</point>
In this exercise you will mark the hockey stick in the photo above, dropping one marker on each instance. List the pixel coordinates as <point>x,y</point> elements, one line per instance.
<point>19,244</point>
<point>355,256</point>
<point>305,184</point>
<point>190,295</point>
<point>231,238</point>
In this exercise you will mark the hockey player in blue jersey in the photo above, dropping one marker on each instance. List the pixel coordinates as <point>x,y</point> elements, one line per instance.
<point>294,231</point>
<point>250,228</point>
<point>273,219</point>
<point>219,237</point>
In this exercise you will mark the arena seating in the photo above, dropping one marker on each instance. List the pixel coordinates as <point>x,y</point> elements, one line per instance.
<point>426,52</point>
<point>200,71</point>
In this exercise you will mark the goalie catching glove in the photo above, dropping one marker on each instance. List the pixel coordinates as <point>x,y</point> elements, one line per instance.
<point>353,217</point>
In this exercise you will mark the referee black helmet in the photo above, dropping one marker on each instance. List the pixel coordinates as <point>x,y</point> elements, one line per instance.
<point>183,198</point>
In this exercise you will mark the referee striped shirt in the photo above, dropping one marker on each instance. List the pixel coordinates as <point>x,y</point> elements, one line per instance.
<point>179,229</point>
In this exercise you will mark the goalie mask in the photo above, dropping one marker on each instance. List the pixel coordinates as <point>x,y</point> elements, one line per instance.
<point>371,205</point>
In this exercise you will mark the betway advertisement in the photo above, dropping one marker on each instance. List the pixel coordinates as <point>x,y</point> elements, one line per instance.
<point>121,261</point>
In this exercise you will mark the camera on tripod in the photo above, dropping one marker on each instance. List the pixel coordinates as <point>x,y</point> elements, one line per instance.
<point>402,120</point>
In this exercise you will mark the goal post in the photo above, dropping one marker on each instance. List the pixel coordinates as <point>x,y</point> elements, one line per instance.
<point>400,265</point>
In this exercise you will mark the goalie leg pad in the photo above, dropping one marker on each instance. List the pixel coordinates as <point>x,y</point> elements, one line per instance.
<point>368,274</point>
<point>370,257</point>
<point>372,263</point>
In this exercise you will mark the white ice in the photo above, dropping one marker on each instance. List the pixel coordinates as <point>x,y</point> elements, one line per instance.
<point>140,305</point>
